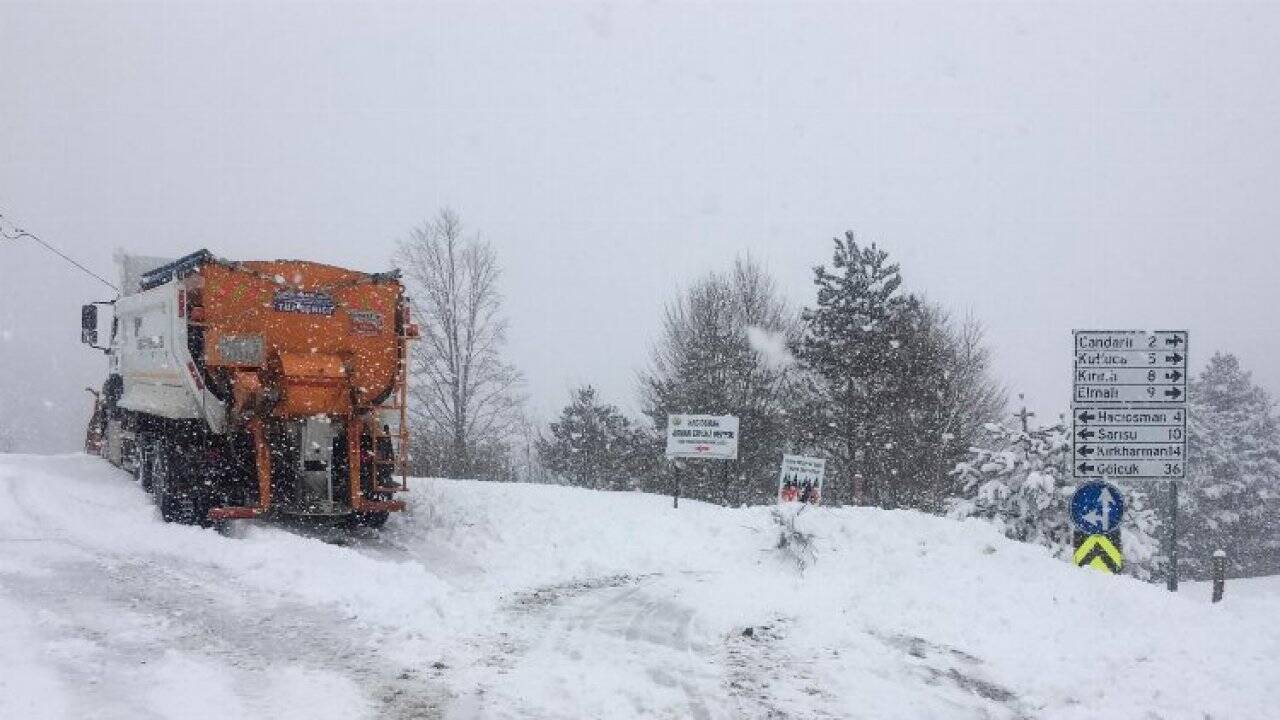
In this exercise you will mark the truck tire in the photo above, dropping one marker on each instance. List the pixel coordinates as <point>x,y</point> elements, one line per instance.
<point>143,470</point>
<point>175,506</point>
<point>369,519</point>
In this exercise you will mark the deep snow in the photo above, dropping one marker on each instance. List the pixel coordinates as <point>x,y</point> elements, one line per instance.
<point>526,601</point>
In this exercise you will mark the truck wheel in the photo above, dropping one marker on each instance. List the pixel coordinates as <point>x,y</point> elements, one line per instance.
<point>174,506</point>
<point>143,472</point>
<point>369,519</point>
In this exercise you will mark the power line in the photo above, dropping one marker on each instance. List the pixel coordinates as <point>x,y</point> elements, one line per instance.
<point>19,233</point>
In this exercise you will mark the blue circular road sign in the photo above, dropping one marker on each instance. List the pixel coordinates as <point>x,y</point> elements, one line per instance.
<point>1096,508</point>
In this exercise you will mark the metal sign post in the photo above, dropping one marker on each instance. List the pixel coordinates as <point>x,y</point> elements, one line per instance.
<point>1173,537</point>
<point>676,467</point>
<point>713,437</point>
<point>1129,411</point>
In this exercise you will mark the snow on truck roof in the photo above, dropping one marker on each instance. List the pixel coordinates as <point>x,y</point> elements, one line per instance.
<point>139,273</point>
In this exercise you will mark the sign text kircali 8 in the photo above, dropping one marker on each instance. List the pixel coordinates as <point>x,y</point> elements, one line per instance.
<point>1129,411</point>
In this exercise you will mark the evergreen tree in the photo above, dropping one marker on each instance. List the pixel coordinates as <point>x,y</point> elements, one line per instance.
<point>1232,495</point>
<point>1142,533</point>
<point>714,357</point>
<point>593,445</point>
<point>1022,483</point>
<point>893,393</point>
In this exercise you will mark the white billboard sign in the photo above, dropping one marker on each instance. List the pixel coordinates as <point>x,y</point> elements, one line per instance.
<point>800,479</point>
<point>702,436</point>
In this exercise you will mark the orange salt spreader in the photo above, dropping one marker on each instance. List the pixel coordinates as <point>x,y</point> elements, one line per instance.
<point>241,389</point>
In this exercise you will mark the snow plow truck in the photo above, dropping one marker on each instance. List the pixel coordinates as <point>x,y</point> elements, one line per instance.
<point>255,389</point>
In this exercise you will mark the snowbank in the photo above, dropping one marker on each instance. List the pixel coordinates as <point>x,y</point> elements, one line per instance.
<point>500,600</point>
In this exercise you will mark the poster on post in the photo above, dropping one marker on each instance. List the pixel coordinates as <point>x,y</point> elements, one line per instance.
<point>702,436</point>
<point>800,479</point>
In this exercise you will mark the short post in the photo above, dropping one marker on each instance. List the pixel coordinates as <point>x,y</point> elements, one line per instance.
<point>1219,574</point>
<point>675,490</point>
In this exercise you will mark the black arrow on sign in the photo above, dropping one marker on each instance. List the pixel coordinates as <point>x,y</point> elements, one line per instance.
<point>1086,434</point>
<point>1085,467</point>
<point>1174,358</point>
<point>1173,393</point>
<point>1098,552</point>
<point>1087,416</point>
<point>1175,341</point>
<point>1174,376</point>
<point>1086,451</point>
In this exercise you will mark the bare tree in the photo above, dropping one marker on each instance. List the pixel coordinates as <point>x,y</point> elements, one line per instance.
<point>465,400</point>
<point>975,396</point>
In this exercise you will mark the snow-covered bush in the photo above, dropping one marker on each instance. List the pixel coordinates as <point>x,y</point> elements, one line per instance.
<point>1021,482</point>
<point>794,545</point>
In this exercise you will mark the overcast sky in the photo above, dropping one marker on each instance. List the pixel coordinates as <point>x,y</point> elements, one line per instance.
<point>1042,166</point>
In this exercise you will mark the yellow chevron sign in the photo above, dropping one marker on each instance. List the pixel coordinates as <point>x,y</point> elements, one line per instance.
<point>1097,551</point>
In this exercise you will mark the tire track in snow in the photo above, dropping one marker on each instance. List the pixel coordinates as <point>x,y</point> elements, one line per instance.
<point>762,674</point>
<point>617,626</point>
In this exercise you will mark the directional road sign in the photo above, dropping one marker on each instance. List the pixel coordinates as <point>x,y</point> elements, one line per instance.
<point>1130,366</point>
<point>1130,441</point>
<point>1096,508</point>
<point>1101,552</point>
<point>1129,408</point>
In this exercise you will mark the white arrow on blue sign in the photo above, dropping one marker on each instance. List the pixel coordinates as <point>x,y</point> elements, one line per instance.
<point>1096,508</point>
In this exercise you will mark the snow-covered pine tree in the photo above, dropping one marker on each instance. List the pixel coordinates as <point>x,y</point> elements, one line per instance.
<point>1021,482</point>
<point>848,350</point>
<point>593,445</point>
<point>894,392</point>
<point>1232,498</point>
<point>1142,531</point>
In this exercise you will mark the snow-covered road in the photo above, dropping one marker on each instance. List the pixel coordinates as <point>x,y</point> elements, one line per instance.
<point>515,601</point>
<point>137,632</point>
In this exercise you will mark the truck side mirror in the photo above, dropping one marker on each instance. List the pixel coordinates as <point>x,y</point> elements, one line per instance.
<point>89,324</point>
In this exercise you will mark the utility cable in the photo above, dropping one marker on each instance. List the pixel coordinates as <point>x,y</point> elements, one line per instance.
<point>19,233</point>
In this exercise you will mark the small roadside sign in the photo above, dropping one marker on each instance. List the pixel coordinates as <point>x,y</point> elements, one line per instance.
<point>800,479</point>
<point>702,436</point>
<point>1100,552</point>
<point>1097,508</point>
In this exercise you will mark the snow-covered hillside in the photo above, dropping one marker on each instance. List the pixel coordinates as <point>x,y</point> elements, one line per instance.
<point>522,601</point>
